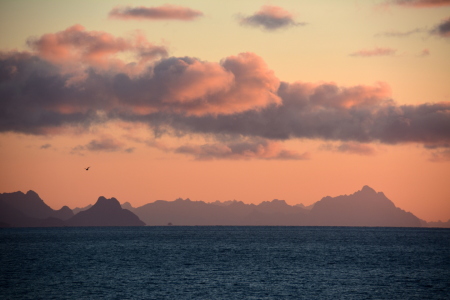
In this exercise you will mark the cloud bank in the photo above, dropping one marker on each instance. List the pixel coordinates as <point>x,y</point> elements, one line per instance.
<point>270,18</point>
<point>164,12</point>
<point>239,98</point>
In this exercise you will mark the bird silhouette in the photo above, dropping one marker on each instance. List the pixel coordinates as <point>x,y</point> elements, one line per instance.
<point>87,169</point>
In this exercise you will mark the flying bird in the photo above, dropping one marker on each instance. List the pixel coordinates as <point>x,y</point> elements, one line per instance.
<point>87,169</point>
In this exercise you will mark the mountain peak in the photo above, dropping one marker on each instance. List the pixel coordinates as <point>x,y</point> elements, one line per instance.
<point>367,189</point>
<point>102,202</point>
<point>32,194</point>
<point>105,212</point>
<point>279,201</point>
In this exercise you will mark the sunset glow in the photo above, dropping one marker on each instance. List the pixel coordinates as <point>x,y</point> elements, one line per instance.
<point>219,101</point>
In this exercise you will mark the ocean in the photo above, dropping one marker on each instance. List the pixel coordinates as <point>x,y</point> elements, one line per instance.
<point>215,262</point>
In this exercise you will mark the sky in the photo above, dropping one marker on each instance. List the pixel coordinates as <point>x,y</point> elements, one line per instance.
<point>222,100</point>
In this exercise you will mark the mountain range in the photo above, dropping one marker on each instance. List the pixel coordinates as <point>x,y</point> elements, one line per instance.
<point>29,210</point>
<point>365,207</point>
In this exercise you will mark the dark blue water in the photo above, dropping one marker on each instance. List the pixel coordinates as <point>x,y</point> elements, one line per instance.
<point>225,263</point>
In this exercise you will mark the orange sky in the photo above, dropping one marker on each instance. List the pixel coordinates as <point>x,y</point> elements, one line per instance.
<point>248,101</point>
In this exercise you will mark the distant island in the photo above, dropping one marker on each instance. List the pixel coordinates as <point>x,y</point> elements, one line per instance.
<point>365,207</point>
<point>29,210</point>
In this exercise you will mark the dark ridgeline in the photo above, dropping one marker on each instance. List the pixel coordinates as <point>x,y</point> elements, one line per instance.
<point>363,208</point>
<point>33,206</point>
<point>187,212</point>
<point>106,212</point>
<point>29,210</point>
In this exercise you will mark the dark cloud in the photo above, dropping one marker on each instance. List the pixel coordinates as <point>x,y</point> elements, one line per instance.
<point>442,29</point>
<point>164,12</point>
<point>45,146</point>
<point>270,18</point>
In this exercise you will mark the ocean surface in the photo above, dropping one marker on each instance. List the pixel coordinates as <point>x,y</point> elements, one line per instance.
<point>224,263</point>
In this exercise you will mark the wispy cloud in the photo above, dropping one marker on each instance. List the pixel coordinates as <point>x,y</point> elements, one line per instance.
<point>350,148</point>
<point>419,3</point>
<point>440,153</point>
<point>270,18</point>
<point>164,12</point>
<point>374,52</point>
<point>45,146</point>
<point>356,148</point>
<point>255,149</point>
<point>400,34</point>
<point>102,144</point>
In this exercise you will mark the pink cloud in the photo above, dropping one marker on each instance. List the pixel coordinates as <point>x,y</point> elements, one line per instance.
<point>270,18</point>
<point>374,52</point>
<point>165,12</point>
<point>193,87</point>
<point>76,45</point>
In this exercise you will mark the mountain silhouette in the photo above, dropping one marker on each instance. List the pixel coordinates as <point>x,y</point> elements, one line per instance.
<point>105,212</point>
<point>29,210</point>
<point>33,206</point>
<point>363,208</point>
<point>187,212</point>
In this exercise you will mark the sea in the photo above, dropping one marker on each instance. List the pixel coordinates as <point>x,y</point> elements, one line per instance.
<point>219,262</point>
